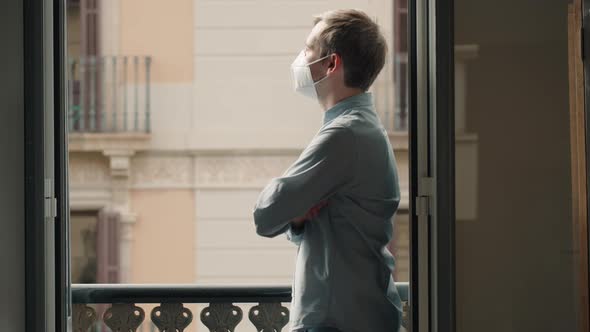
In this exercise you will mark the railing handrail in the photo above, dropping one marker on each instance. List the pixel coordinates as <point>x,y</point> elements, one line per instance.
<point>187,293</point>
<point>177,293</point>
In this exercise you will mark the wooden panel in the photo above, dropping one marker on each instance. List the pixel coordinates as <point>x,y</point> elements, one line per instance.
<point>578,163</point>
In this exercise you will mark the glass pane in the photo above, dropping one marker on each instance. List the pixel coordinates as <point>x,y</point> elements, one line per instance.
<point>180,114</point>
<point>517,261</point>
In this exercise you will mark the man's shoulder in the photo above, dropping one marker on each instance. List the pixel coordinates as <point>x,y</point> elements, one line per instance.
<point>348,120</point>
<point>337,131</point>
<point>346,124</point>
<point>356,123</point>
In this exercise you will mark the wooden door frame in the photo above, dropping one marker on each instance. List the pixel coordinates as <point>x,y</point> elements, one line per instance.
<point>579,94</point>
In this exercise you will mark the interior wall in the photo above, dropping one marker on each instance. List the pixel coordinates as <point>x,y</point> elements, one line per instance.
<point>514,262</point>
<point>12,202</point>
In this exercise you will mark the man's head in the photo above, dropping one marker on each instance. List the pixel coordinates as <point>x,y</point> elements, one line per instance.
<point>354,50</point>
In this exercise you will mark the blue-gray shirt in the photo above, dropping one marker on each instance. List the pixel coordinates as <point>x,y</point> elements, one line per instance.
<point>343,269</point>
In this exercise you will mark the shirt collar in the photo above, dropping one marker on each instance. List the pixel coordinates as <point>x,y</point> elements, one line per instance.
<point>362,99</point>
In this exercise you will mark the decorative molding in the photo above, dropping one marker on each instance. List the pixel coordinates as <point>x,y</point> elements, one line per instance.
<point>82,198</point>
<point>128,219</point>
<point>120,162</point>
<point>171,317</point>
<point>83,317</point>
<point>185,171</point>
<point>127,224</point>
<point>242,170</point>
<point>88,169</point>
<point>124,317</point>
<point>210,171</point>
<point>221,317</point>
<point>269,316</point>
<point>162,170</point>
<point>99,142</point>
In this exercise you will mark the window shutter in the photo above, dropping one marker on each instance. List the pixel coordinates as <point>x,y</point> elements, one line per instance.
<point>107,251</point>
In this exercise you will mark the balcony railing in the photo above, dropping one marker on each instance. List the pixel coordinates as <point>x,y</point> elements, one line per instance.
<point>120,310</point>
<point>109,94</point>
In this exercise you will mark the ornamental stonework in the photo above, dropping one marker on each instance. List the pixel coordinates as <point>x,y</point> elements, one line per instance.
<point>243,170</point>
<point>161,170</point>
<point>88,169</point>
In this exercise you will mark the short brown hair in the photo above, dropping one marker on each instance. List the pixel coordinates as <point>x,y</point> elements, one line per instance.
<point>358,40</point>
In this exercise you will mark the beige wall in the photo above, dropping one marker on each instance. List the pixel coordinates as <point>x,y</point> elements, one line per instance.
<point>162,30</point>
<point>163,236</point>
<point>514,261</point>
<point>220,70</point>
<point>243,95</point>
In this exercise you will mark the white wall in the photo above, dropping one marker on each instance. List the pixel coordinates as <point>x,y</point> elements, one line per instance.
<point>12,219</point>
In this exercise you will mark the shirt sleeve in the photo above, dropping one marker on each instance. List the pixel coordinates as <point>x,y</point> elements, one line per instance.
<point>295,235</point>
<point>324,167</point>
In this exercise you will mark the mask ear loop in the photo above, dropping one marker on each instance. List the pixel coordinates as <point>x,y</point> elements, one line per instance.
<point>321,79</point>
<point>320,59</point>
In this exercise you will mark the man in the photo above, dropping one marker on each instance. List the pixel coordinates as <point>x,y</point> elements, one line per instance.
<point>337,200</point>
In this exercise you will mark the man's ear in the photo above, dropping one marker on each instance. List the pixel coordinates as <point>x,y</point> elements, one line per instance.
<point>335,62</point>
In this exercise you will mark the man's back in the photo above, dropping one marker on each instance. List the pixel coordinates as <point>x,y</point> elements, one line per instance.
<point>343,269</point>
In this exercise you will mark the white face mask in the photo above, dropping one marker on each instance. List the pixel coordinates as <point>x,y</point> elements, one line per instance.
<point>301,75</point>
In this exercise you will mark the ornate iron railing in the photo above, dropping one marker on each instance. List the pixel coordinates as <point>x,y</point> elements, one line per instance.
<point>109,94</point>
<point>122,312</point>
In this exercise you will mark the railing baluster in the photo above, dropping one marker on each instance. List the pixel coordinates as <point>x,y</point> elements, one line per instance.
<point>114,96</point>
<point>71,110</point>
<point>221,317</point>
<point>171,317</point>
<point>123,317</point>
<point>92,92</point>
<point>82,317</point>
<point>136,92</point>
<point>148,61</point>
<point>81,111</point>
<point>125,93</point>
<point>406,315</point>
<point>103,93</point>
<point>270,316</point>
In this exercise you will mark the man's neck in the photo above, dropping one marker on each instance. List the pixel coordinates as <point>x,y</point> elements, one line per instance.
<point>330,100</point>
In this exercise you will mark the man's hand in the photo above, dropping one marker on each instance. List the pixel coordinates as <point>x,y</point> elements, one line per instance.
<point>313,212</point>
